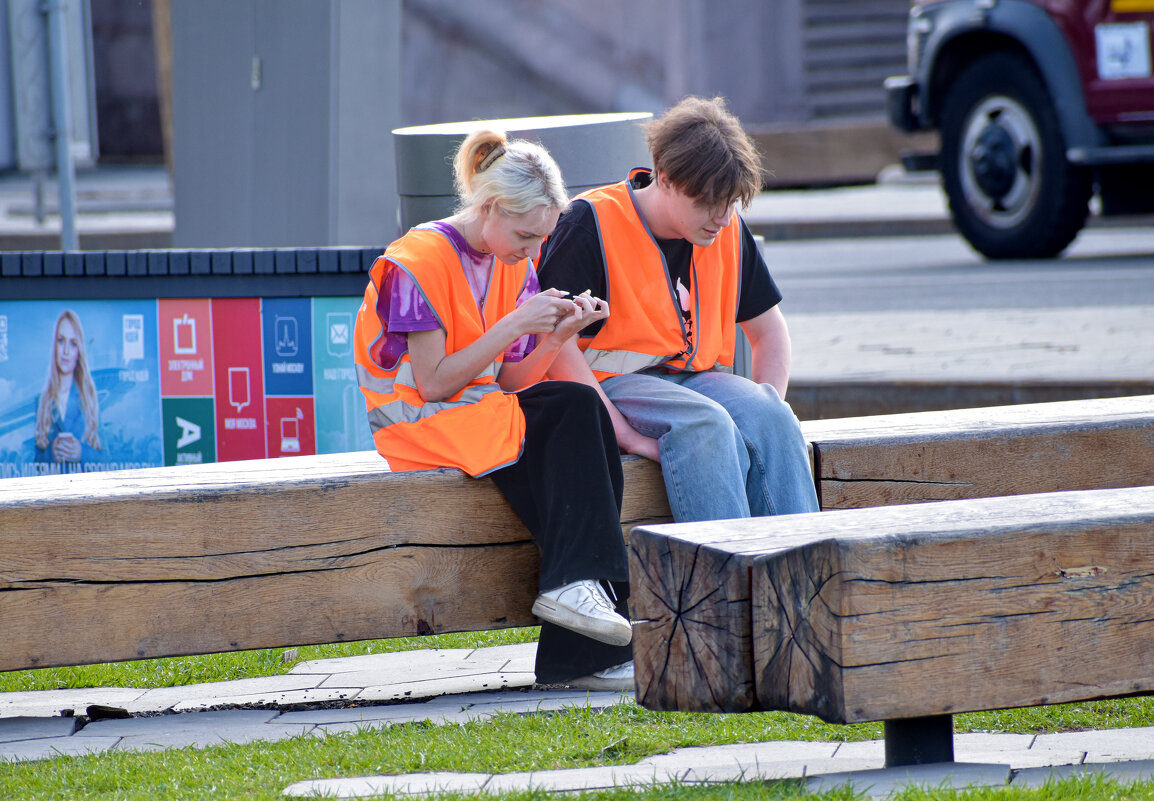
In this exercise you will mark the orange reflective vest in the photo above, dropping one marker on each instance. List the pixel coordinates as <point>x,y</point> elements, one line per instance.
<point>479,429</point>
<point>646,328</point>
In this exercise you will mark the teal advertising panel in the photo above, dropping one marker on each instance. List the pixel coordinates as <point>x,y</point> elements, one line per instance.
<point>189,430</point>
<point>342,423</point>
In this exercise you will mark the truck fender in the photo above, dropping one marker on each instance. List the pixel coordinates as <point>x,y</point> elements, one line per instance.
<point>1036,32</point>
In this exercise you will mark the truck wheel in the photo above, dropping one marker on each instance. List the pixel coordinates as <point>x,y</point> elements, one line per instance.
<point>1011,191</point>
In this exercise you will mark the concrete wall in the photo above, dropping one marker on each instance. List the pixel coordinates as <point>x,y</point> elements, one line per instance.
<point>785,61</point>
<point>282,112</point>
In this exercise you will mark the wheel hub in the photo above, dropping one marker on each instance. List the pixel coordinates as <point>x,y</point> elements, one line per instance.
<point>994,161</point>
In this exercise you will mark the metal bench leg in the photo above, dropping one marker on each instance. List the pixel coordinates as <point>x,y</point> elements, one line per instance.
<point>918,741</point>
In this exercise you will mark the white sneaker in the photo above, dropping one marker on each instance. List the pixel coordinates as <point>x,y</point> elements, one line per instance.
<point>583,607</point>
<point>620,677</point>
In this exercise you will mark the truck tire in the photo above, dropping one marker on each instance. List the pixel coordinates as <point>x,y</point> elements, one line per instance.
<point>1011,191</point>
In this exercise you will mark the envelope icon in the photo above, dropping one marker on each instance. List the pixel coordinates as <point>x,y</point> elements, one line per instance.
<point>340,325</point>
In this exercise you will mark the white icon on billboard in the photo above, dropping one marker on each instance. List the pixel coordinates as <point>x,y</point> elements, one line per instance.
<point>340,326</point>
<point>285,331</point>
<point>189,432</point>
<point>184,335</point>
<point>238,388</point>
<point>290,437</point>
<point>133,336</point>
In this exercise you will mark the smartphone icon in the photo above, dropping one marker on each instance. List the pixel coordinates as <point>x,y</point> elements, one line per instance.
<point>239,394</point>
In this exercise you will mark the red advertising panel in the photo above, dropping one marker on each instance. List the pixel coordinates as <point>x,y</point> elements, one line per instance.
<point>185,328</point>
<point>236,337</point>
<point>291,427</point>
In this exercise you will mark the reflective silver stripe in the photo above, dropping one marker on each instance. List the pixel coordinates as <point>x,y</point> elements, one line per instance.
<point>401,412</point>
<point>373,383</point>
<point>404,377</point>
<point>621,361</point>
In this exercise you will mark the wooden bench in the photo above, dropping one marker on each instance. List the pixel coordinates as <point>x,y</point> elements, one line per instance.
<point>981,453</point>
<point>905,614</point>
<point>315,549</point>
<point>258,554</point>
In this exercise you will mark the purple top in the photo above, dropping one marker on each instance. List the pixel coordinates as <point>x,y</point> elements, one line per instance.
<point>403,308</point>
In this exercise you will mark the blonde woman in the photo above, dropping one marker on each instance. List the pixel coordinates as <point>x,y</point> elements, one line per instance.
<point>68,414</point>
<point>452,343</point>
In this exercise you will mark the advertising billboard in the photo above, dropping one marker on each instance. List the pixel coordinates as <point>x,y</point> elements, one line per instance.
<point>90,385</point>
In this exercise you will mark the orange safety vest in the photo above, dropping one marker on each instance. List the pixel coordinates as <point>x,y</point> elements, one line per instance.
<point>646,327</point>
<point>479,429</point>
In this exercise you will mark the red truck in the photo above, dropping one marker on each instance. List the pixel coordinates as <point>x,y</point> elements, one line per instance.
<point>1040,105</point>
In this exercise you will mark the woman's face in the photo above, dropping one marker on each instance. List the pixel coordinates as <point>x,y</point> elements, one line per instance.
<point>514,237</point>
<point>67,347</point>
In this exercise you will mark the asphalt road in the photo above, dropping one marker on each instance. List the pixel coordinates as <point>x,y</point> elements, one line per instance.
<point>1104,267</point>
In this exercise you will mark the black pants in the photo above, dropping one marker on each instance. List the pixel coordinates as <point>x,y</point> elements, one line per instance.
<point>566,488</point>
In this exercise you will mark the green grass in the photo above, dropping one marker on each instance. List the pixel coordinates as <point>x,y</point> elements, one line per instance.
<point>508,743</point>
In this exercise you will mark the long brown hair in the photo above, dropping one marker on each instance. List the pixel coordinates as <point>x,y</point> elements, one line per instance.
<point>702,150</point>
<point>81,379</point>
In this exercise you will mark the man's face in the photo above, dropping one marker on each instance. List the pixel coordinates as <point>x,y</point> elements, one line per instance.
<point>695,220</point>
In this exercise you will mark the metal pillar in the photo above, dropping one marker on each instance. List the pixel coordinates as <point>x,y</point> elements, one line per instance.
<point>62,122</point>
<point>919,741</point>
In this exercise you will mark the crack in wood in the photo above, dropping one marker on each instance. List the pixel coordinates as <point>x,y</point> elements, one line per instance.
<point>42,583</point>
<point>914,481</point>
<point>155,582</point>
<point>910,660</point>
<point>926,582</point>
<point>274,549</point>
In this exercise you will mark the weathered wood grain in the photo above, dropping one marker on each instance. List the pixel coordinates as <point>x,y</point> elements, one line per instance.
<point>194,559</point>
<point>978,453</point>
<point>397,591</point>
<point>695,652</point>
<point>84,543</point>
<point>883,613</point>
<point>690,598</point>
<point>898,613</point>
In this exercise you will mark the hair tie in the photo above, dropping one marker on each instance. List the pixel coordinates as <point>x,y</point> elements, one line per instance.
<point>492,156</point>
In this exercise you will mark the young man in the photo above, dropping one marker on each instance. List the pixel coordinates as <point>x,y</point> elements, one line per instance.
<point>680,270</point>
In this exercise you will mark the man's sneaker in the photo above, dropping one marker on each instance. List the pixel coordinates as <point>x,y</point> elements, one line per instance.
<point>614,678</point>
<point>583,607</point>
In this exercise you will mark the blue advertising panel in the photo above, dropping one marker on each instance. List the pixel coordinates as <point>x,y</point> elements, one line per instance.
<point>287,329</point>
<point>79,386</point>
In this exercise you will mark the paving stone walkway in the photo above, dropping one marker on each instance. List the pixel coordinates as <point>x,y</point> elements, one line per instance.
<point>447,686</point>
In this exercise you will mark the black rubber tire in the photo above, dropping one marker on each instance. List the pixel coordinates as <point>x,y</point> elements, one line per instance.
<point>1023,199</point>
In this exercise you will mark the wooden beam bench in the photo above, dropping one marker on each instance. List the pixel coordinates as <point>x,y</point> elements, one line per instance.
<point>104,567</point>
<point>170,561</point>
<point>904,614</point>
<point>981,453</point>
<point>927,456</point>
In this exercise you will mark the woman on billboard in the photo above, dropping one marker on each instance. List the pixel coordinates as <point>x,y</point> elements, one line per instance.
<point>68,413</point>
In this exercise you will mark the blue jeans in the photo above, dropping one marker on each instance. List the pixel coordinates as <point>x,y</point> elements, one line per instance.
<point>729,447</point>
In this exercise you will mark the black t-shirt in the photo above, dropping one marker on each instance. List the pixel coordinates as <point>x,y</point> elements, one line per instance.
<point>571,260</point>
